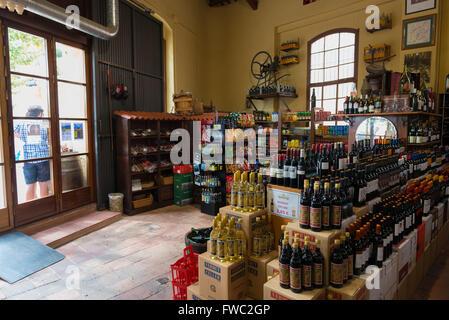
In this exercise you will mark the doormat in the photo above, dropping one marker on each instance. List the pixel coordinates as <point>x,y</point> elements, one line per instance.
<point>21,256</point>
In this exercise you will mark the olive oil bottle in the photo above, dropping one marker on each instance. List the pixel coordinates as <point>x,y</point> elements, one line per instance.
<point>315,209</point>
<point>318,266</point>
<point>284,266</point>
<point>258,239</point>
<point>222,243</point>
<point>242,200</point>
<point>260,193</point>
<point>230,245</point>
<point>336,266</point>
<point>214,239</point>
<point>251,194</point>
<point>307,266</point>
<point>240,242</point>
<point>235,190</point>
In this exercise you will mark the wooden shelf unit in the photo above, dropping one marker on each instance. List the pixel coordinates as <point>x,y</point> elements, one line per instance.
<point>163,194</point>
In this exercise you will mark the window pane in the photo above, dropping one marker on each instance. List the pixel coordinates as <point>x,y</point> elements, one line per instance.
<point>344,89</point>
<point>2,188</point>
<point>318,46</point>
<point>70,63</point>
<point>331,58</point>
<point>347,55</point>
<point>317,61</point>
<point>329,123</point>
<point>34,180</point>
<point>72,100</point>
<point>329,105</point>
<point>347,39</point>
<point>74,173</point>
<point>346,71</point>
<point>73,137</point>
<point>318,104</point>
<point>340,104</point>
<point>330,92</point>
<point>332,41</point>
<point>29,93</point>
<point>331,74</point>
<point>316,76</point>
<point>32,139</point>
<point>27,53</point>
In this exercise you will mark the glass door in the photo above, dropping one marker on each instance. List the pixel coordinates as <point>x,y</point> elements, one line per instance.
<point>30,105</point>
<point>49,121</point>
<point>73,125</point>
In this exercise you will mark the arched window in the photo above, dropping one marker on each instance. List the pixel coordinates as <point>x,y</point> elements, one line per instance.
<point>332,70</point>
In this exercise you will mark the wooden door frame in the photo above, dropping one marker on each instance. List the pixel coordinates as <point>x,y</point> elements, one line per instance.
<point>57,196</point>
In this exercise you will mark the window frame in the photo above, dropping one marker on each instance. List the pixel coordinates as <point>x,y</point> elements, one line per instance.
<point>334,82</point>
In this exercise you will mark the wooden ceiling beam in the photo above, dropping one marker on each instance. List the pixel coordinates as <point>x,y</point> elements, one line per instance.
<point>253,4</point>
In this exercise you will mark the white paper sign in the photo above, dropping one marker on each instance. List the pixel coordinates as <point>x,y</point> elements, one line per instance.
<point>283,203</point>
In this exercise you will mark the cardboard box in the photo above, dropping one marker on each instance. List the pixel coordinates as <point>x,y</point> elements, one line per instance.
<point>420,240</point>
<point>404,251</point>
<point>391,294</point>
<point>273,291</point>
<point>272,268</point>
<point>257,274</point>
<point>440,216</point>
<point>354,289</point>
<point>413,237</point>
<point>221,280</point>
<point>426,257</point>
<point>375,286</point>
<point>420,271</point>
<point>193,292</point>
<point>403,289</point>
<point>392,272</point>
<point>358,212</point>
<point>371,203</point>
<point>428,233</point>
<point>327,239</point>
<point>248,224</point>
<point>412,282</point>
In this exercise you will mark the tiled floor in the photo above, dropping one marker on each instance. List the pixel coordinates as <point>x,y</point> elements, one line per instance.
<point>435,285</point>
<point>129,259</point>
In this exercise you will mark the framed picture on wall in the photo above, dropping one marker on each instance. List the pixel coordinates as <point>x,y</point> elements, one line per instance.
<point>414,6</point>
<point>419,32</point>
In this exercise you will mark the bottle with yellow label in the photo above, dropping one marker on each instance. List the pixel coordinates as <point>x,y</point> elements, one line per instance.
<point>235,190</point>
<point>214,239</point>
<point>240,243</point>
<point>257,238</point>
<point>230,246</point>
<point>260,193</point>
<point>265,236</point>
<point>271,236</point>
<point>222,243</point>
<point>250,205</point>
<point>242,200</point>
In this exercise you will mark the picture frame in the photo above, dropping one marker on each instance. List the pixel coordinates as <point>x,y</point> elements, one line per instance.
<point>419,32</point>
<point>415,6</point>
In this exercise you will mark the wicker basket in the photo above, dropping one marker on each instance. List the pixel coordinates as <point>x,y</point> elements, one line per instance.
<point>183,103</point>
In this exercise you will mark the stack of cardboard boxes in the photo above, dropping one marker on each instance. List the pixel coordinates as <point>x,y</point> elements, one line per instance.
<point>237,280</point>
<point>183,185</point>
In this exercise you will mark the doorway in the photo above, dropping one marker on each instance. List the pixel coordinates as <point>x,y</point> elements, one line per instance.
<point>49,109</point>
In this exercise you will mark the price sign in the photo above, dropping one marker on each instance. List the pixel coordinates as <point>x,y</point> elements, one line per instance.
<point>283,203</point>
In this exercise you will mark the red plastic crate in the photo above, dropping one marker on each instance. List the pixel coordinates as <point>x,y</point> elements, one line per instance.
<point>182,169</point>
<point>184,272</point>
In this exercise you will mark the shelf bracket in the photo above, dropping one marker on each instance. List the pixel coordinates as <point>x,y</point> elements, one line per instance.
<point>285,104</point>
<point>251,103</point>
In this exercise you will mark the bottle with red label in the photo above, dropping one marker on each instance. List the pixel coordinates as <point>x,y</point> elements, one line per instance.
<point>304,209</point>
<point>336,266</point>
<point>326,205</point>
<point>315,209</point>
<point>307,266</point>
<point>296,269</point>
<point>284,266</point>
<point>318,266</point>
<point>336,210</point>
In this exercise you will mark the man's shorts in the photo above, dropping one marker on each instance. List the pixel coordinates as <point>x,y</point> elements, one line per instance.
<point>36,172</point>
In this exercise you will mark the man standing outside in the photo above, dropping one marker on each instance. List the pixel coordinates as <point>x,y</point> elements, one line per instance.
<point>35,139</point>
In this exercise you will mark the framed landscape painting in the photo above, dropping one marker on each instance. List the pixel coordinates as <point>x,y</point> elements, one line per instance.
<point>419,32</point>
<point>414,6</point>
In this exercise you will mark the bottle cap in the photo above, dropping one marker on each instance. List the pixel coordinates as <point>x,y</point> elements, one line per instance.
<point>284,242</point>
<point>317,242</point>
<point>283,227</point>
<point>337,242</point>
<point>295,245</point>
<point>347,234</point>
